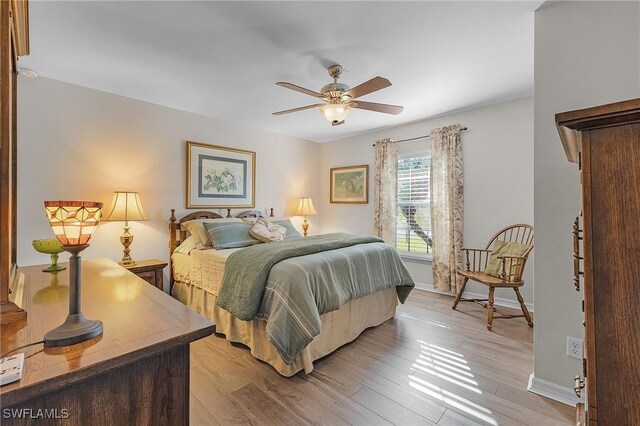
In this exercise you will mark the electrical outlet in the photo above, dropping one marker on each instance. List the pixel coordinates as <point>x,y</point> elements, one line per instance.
<point>11,368</point>
<point>574,347</point>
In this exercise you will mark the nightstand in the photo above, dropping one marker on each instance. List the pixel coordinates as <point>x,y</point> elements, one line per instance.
<point>150,271</point>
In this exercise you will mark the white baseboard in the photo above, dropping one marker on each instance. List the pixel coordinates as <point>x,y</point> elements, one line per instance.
<point>553,391</point>
<point>500,301</point>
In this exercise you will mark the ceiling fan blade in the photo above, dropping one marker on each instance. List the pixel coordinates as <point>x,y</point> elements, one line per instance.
<point>298,89</point>
<point>372,106</point>
<point>376,83</point>
<point>287,111</point>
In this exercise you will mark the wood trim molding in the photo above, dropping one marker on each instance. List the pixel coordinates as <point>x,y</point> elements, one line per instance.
<point>20,15</point>
<point>6,63</point>
<point>14,42</point>
<point>553,391</point>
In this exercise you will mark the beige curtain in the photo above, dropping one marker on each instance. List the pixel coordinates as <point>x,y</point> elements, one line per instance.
<point>385,200</point>
<point>446,206</point>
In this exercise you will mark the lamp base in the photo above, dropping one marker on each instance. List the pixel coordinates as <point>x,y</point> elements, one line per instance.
<point>75,329</point>
<point>126,239</point>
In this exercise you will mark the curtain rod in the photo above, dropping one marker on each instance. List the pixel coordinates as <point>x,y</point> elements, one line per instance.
<point>419,137</point>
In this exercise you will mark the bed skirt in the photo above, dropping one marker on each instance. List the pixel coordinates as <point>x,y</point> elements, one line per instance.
<point>338,327</point>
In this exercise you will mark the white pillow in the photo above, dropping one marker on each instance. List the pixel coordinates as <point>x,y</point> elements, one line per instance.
<point>263,230</point>
<point>196,228</point>
<point>187,245</point>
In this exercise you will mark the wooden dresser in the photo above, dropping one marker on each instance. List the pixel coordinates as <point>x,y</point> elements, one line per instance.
<point>605,142</point>
<point>137,372</point>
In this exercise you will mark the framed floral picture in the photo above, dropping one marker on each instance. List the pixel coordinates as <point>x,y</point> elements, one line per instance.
<point>350,185</point>
<point>220,177</point>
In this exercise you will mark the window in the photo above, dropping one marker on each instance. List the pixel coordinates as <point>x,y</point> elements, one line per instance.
<point>413,226</point>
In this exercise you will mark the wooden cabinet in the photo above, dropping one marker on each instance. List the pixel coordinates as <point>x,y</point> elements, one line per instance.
<point>150,271</point>
<point>136,372</point>
<point>14,42</point>
<point>605,142</point>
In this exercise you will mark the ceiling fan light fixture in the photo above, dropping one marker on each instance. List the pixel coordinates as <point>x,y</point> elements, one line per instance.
<point>338,99</point>
<point>335,113</point>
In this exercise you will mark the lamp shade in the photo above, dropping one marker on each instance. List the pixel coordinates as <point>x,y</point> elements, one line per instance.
<point>126,206</point>
<point>305,207</point>
<point>73,222</point>
<point>335,113</point>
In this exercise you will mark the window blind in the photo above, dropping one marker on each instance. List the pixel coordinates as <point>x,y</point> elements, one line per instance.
<point>413,225</point>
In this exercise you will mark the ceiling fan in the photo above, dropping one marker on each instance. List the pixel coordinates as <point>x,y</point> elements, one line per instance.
<point>339,98</point>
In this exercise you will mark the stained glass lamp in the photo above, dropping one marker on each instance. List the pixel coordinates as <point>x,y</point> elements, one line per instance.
<point>73,223</point>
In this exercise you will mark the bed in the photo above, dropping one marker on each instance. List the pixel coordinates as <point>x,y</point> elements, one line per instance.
<point>197,277</point>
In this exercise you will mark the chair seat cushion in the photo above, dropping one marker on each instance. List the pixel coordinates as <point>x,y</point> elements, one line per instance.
<point>489,280</point>
<point>504,248</point>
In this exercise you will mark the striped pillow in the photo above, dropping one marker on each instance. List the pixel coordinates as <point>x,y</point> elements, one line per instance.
<point>195,227</point>
<point>226,235</point>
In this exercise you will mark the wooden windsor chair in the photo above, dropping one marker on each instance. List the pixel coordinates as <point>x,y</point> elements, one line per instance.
<point>510,275</point>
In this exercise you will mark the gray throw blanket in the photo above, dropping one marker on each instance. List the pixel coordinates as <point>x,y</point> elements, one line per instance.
<point>247,270</point>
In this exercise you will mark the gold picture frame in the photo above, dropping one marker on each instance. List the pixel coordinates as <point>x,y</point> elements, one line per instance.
<point>349,184</point>
<point>219,177</point>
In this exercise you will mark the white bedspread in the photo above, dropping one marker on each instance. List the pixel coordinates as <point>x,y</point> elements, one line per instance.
<point>201,268</point>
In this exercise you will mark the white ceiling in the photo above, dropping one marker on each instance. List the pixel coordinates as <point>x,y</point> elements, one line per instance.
<point>221,59</point>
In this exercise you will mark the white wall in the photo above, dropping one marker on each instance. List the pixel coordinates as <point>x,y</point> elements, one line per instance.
<point>498,178</point>
<point>586,54</point>
<point>79,143</point>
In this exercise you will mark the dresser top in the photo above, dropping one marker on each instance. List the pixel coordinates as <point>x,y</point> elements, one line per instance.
<point>139,321</point>
<point>570,123</point>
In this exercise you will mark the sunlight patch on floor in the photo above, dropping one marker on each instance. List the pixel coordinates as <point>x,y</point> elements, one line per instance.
<point>456,369</point>
<point>453,361</point>
<point>431,345</point>
<point>453,400</point>
<point>405,314</point>
<point>425,363</point>
<point>447,377</point>
<point>451,367</point>
<point>443,355</point>
<point>438,324</point>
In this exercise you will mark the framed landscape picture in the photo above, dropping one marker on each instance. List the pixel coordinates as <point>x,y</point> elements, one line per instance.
<point>220,177</point>
<point>350,185</point>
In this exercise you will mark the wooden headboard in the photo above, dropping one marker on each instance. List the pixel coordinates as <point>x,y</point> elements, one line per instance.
<point>177,235</point>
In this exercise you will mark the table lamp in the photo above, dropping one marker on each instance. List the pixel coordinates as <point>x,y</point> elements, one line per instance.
<point>305,208</point>
<point>73,223</point>
<point>126,206</point>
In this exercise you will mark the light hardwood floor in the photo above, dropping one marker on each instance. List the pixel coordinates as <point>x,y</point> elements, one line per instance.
<point>428,365</point>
